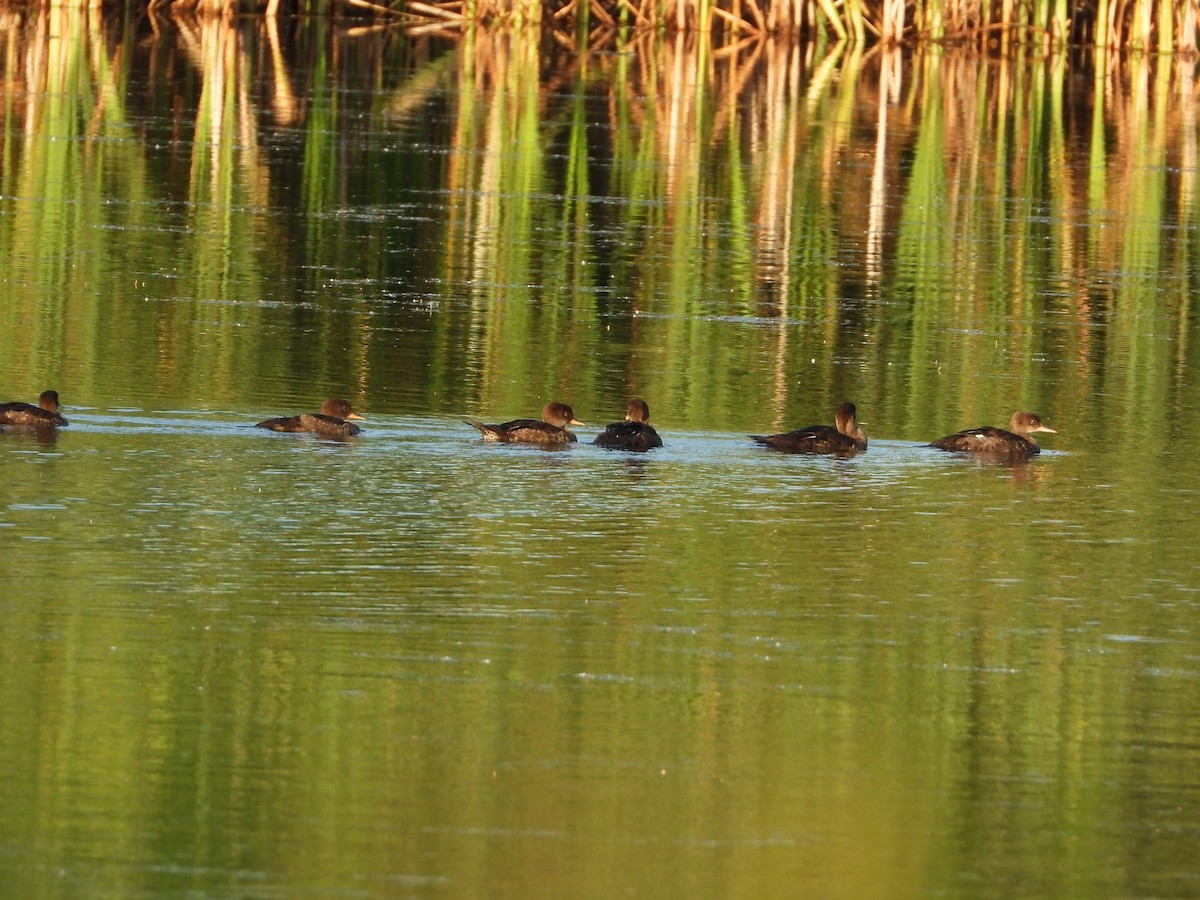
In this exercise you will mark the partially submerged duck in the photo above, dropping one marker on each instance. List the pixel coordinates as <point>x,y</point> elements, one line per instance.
<point>550,430</point>
<point>842,439</point>
<point>635,433</point>
<point>330,421</point>
<point>26,415</point>
<point>996,441</point>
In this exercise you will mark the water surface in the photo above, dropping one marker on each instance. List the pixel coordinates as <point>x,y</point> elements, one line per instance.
<point>415,664</point>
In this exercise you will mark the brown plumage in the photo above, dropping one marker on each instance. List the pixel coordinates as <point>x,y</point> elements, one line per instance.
<point>635,433</point>
<point>550,430</point>
<point>996,441</point>
<point>329,422</point>
<point>842,439</point>
<point>44,415</point>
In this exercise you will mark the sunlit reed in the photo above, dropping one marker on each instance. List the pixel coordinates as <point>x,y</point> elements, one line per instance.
<point>1126,24</point>
<point>1161,27</point>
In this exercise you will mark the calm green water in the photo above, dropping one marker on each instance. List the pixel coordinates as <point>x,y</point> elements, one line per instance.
<point>242,664</point>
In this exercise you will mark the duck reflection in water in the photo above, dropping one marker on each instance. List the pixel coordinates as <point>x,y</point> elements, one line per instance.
<point>996,443</point>
<point>16,414</point>
<point>46,438</point>
<point>551,431</point>
<point>845,438</point>
<point>331,421</point>
<point>635,434</point>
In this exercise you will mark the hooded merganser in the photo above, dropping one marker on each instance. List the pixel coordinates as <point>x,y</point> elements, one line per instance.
<point>44,415</point>
<point>996,441</point>
<point>843,439</point>
<point>550,430</point>
<point>635,433</point>
<point>330,421</point>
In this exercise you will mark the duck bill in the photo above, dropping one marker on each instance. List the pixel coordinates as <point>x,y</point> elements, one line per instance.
<point>355,415</point>
<point>1045,429</point>
<point>576,422</point>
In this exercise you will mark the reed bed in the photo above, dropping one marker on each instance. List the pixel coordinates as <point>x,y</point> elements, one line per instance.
<point>1162,27</point>
<point>1166,26</point>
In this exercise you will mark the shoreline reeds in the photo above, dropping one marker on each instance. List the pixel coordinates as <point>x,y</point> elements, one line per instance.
<point>1164,27</point>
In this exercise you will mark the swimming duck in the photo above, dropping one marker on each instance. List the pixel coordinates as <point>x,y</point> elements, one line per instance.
<point>843,439</point>
<point>329,422</point>
<point>550,430</point>
<point>44,415</point>
<point>635,433</point>
<point>996,441</point>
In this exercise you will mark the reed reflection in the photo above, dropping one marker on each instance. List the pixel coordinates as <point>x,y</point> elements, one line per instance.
<point>884,224</point>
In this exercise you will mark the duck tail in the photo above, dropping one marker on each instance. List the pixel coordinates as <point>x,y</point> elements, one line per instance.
<point>488,433</point>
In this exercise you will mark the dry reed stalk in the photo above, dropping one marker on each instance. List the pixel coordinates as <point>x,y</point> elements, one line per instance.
<point>1166,26</point>
<point>437,12</point>
<point>1111,28</point>
<point>601,13</point>
<point>373,7</point>
<point>756,13</point>
<point>632,10</point>
<point>886,24</point>
<point>1188,27</point>
<point>600,38</point>
<point>729,50</point>
<point>735,8</point>
<point>1142,24</point>
<point>440,29</point>
<point>1121,25</point>
<point>738,24</point>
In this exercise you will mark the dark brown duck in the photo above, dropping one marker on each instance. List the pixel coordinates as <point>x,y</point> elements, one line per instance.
<point>550,430</point>
<point>996,441</point>
<point>635,433</point>
<point>329,422</point>
<point>44,415</point>
<point>842,439</point>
